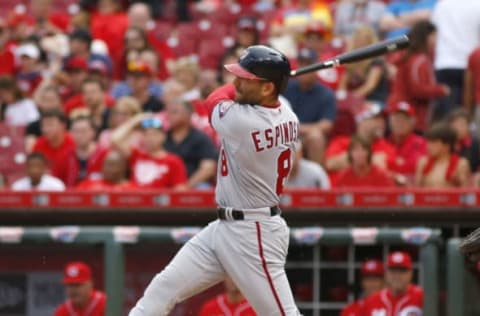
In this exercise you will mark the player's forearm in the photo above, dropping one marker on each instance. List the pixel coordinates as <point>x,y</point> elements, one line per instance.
<point>120,134</point>
<point>204,173</point>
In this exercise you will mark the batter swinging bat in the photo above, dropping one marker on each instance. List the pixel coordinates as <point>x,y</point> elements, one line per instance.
<point>362,53</point>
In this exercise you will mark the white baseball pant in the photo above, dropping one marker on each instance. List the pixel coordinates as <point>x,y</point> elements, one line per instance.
<point>252,253</point>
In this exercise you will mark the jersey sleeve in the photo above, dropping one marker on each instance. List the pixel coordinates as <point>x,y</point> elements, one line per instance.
<point>224,93</point>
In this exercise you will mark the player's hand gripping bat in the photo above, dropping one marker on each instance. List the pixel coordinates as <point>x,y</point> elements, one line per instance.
<point>355,55</point>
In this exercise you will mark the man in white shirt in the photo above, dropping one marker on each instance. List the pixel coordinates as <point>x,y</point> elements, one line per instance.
<point>36,178</point>
<point>458,33</point>
<point>307,174</point>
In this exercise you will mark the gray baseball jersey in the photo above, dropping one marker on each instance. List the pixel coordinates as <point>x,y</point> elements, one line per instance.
<point>258,147</point>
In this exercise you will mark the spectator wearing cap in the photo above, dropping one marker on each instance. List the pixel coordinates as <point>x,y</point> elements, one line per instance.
<point>75,71</point>
<point>56,143</point>
<point>29,73</point>
<point>315,106</point>
<point>80,44</point>
<point>247,34</point>
<point>468,145</point>
<point>307,174</point>
<point>82,298</point>
<point>442,167</point>
<point>140,16</point>
<point>351,14</point>
<point>193,146</point>
<point>400,297</point>
<point>414,81</point>
<point>370,126</point>
<point>113,175</point>
<point>140,78</point>
<point>151,166</point>
<point>409,146</point>
<point>37,177</point>
<point>15,108</point>
<point>362,173</point>
<point>366,79</point>
<point>372,281</point>
<point>401,15</point>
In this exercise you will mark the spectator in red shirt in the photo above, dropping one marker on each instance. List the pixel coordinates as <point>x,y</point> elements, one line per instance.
<point>55,143</point>
<point>471,93</point>
<point>362,173</point>
<point>410,147</point>
<point>372,281</point>
<point>152,167</point>
<point>113,176</point>
<point>7,66</point>
<point>48,21</point>
<point>231,302</point>
<point>370,126</point>
<point>415,81</point>
<point>29,74</point>
<point>74,74</point>
<point>468,145</point>
<point>82,298</point>
<point>441,167</point>
<point>400,297</point>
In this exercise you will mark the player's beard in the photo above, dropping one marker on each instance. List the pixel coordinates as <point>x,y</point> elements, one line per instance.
<point>247,98</point>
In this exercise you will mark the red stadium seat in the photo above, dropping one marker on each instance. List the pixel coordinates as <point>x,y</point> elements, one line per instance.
<point>211,51</point>
<point>345,121</point>
<point>185,39</point>
<point>12,152</point>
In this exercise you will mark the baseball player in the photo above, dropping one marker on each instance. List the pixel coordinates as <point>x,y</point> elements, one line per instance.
<point>249,240</point>
<point>372,281</point>
<point>400,298</point>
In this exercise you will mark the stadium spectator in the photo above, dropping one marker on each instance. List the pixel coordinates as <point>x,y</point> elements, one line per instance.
<point>113,175</point>
<point>362,173</point>
<point>152,167</point>
<point>82,298</point>
<point>307,174</point>
<point>247,34</point>
<point>15,108</point>
<point>47,20</point>
<point>352,14</point>
<point>46,98</point>
<point>457,38</point>
<point>468,145</point>
<point>366,79</point>
<point>140,78</point>
<point>400,297</point>
<point>29,72</point>
<point>231,302</point>
<point>471,91</point>
<point>193,146</point>
<point>409,146</point>
<point>87,159</point>
<point>370,126</point>
<point>442,168</point>
<point>55,143</point>
<point>124,109</point>
<point>372,281</point>
<point>414,81</point>
<point>37,177</point>
<point>401,15</point>
<point>140,16</point>
<point>314,105</point>
<point>186,70</point>
<point>75,71</point>
<point>7,66</point>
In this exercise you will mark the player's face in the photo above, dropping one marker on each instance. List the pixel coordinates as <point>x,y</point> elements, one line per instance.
<point>398,279</point>
<point>79,293</point>
<point>371,284</point>
<point>247,91</point>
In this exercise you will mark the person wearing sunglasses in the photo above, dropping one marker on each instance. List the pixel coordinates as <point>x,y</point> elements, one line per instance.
<point>151,165</point>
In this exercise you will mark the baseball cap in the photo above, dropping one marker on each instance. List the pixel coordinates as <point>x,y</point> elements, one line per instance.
<point>307,55</point>
<point>404,107</point>
<point>399,259</point>
<point>367,110</point>
<point>372,268</point>
<point>152,123</point>
<point>76,63</point>
<point>98,66</point>
<point>139,67</point>
<point>29,50</point>
<point>316,28</point>
<point>77,272</point>
<point>247,23</point>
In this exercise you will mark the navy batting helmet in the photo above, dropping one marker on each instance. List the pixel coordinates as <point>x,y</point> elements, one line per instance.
<point>260,62</point>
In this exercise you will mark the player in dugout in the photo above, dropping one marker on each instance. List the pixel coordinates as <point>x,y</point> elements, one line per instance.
<point>249,240</point>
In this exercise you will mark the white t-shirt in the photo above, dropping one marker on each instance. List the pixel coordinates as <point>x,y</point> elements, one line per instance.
<point>309,175</point>
<point>21,112</point>
<point>458,32</point>
<point>47,183</point>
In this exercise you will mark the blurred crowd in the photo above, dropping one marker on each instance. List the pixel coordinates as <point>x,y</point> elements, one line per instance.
<point>108,94</point>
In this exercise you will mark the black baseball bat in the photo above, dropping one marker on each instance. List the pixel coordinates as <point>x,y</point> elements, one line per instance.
<point>358,54</point>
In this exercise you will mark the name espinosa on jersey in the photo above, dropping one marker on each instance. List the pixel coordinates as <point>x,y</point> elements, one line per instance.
<point>283,133</point>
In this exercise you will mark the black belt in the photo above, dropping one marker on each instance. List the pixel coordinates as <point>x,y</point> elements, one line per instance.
<point>239,215</point>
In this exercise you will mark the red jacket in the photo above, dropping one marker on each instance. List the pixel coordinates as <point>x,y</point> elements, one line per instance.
<point>383,303</point>
<point>415,83</point>
<point>96,307</point>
